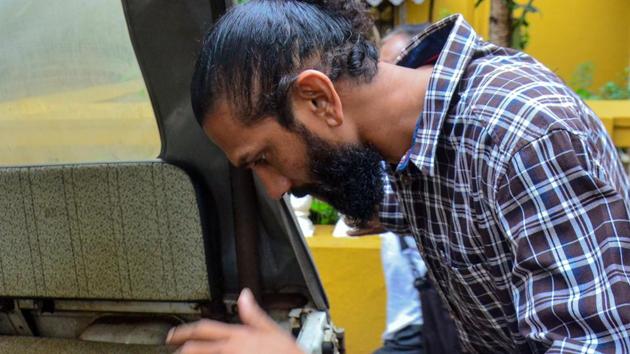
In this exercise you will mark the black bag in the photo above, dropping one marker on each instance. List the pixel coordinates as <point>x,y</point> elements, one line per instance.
<point>438,329</point>
<point>439,332</point>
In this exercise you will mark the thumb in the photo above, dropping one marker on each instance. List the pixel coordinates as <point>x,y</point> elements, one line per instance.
<point>251,314</point>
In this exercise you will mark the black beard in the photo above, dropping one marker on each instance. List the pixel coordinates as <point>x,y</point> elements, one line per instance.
<point>349,177</point>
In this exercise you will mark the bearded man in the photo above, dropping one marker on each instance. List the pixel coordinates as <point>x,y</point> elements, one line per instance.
<point>507,180</point>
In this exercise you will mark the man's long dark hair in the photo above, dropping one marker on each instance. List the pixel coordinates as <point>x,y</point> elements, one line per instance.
<point>255,52</point>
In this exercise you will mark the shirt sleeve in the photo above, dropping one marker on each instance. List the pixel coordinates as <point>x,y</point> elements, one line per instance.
<point>570,231</point>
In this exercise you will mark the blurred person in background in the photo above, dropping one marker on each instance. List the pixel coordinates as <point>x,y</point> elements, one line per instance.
<point>396,40</point>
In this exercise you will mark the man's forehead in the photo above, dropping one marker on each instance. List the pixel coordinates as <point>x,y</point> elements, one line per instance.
<point>221,128</point>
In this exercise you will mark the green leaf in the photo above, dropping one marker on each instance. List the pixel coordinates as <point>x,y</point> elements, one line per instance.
<point>582,78</point>
<point>584,94</point>
<point>323,213</point>
<point>613,91</point>
<point>530,8</point>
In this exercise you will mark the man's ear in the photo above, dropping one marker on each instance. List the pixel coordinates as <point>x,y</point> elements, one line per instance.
<point>315,92</point>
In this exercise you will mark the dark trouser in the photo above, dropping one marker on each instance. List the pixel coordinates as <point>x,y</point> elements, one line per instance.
<point>406,341</point>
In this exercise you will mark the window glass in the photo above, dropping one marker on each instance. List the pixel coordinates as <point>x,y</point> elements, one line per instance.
<point>70,86</point>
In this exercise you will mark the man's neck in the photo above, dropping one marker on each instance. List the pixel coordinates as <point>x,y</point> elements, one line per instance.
<point>387,109</point>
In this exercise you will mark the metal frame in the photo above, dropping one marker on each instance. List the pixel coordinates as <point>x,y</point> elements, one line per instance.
<point>152,307</point>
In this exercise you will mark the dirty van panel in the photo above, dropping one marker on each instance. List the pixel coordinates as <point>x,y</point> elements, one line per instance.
<point>110,254</point>
<point>107,231</point>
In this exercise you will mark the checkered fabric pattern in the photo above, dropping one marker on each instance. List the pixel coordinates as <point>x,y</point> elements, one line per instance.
<point>517,199</point>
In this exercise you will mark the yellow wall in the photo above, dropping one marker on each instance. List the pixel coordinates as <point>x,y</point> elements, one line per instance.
<point>441,8</point>
<point>561,36</point>
<point>597,31</point>
<point>351,271</point>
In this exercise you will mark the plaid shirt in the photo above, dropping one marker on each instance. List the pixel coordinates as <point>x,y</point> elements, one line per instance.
<point>517,200</point>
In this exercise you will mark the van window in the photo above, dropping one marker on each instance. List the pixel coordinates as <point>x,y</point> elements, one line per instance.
<point>70,85</point>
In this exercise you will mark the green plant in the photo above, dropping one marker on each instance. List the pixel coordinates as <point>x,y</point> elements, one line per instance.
<point>613,91</point>
<point>323,213</point>
<point>519,35</point>
<point>582,79</point>
<point>520,26</point>
<point>582,82</point>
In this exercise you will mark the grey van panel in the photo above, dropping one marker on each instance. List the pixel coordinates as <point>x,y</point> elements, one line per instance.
<point>120,231</point>
<point>31,345</point>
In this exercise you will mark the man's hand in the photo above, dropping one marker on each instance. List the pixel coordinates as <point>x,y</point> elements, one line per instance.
<point>258,334</point>
<point>372,227</point>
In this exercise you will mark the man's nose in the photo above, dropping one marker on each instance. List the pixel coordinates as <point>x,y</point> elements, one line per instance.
<point>275,183</point>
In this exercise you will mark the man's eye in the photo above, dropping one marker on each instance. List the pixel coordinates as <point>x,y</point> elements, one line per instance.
<point>261,160</point>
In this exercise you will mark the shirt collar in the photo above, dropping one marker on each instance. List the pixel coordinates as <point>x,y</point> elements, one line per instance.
<point>448,45</point>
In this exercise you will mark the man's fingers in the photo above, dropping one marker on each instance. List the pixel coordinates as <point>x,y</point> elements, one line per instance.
<point>204,330</point>
<point>207,331</point>
<point>201,347</point>
<point>366,231</point>
<point>251,314</point>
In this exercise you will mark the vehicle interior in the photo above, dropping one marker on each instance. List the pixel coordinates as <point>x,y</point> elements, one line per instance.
<point>105,244</point>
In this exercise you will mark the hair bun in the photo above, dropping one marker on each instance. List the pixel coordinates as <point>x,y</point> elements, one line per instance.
<point>357,58</point>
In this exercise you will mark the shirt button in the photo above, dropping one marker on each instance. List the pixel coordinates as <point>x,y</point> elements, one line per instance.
<point>443,257</point>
